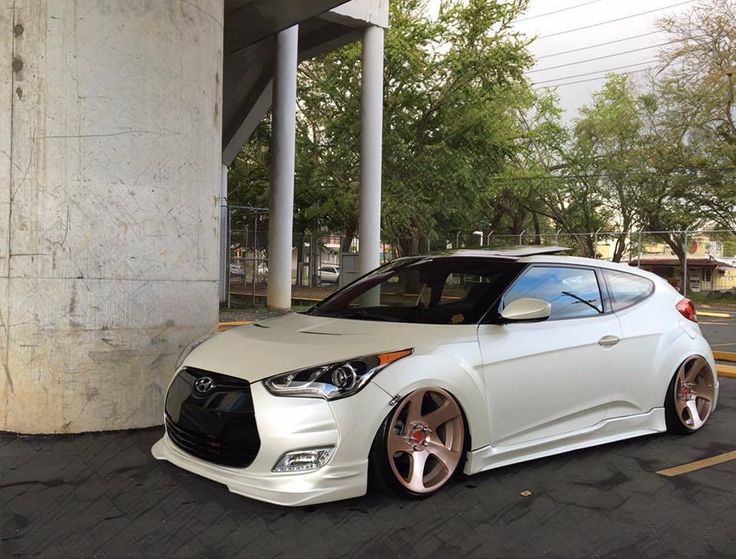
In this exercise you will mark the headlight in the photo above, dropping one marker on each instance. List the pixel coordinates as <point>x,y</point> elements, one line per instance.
<point>334,380</point>
<point>191,347</point>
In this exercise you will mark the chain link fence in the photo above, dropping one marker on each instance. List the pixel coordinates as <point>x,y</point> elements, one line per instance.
<point>316,259</point>
<point>693,261</point>
<point>700,263</point>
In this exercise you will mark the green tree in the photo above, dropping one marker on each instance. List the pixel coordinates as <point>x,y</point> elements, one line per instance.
<point>449,123</point>
<point>698,95</point>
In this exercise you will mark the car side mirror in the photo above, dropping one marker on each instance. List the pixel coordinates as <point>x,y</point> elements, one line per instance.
<point>526,308</point>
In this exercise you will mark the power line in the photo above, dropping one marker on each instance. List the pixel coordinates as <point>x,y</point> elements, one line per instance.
<point>584,74</point>
<point>600,57</point>
<point>603,77</point>
<point>560,10</point>
<point>615,20</point>
<point>597,45</point>
<point>619,175</point>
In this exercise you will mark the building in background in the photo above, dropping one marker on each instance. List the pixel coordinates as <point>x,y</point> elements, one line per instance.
<point>707,269</point>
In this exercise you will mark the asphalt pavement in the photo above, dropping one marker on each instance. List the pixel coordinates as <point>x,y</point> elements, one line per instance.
<point>103,495</point>
<point>720,332</point>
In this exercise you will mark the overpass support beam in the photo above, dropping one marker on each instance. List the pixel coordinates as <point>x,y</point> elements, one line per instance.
<point>281,198</point>
<point>371,120</point>
<point>110,165</point>
<point>224,238</point>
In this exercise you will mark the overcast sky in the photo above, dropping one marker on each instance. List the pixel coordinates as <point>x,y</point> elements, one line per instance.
<point>552,39</point>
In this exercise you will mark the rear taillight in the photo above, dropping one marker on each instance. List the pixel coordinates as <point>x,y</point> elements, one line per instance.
<point>687,309</point>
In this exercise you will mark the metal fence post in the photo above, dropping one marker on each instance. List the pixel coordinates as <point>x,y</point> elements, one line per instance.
<point>229,244</point>
<point>684,264</point>
<point>521,235</point>
<point>595,243</point>
<point>638,259</point>
<point>255,256</point>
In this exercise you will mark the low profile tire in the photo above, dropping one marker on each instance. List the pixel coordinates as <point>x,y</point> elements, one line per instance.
<point>690,396</point>
<point>420,445</point>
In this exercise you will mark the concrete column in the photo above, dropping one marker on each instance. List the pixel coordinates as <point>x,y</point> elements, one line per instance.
<point>283,152</point>
<point>110,169</point>
<point>224,238</point>
<point>371,120</point>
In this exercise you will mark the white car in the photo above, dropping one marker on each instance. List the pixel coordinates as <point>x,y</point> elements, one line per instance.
<point>329,274</point>
<point>433,365</point>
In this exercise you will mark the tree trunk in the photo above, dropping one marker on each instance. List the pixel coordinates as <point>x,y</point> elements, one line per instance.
<point>347,241</point>
<point>677,244</point>
<point>537,229</point>
<point>620,248</point>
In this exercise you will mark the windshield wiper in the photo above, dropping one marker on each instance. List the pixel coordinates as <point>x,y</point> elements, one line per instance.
<point>591,305</point>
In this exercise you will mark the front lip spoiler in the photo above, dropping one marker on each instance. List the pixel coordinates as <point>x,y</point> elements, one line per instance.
<point>331,482</point>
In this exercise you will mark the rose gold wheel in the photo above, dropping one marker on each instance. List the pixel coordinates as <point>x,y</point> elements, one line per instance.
<point>425,435</point>
<point>691,396</point>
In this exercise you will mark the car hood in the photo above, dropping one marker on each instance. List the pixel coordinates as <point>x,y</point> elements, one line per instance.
<point>294,341</point>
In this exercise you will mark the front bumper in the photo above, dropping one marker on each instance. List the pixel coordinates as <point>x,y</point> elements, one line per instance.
<point>287,424</point>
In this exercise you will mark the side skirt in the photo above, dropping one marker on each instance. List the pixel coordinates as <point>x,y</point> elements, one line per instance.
<point>607,431</point>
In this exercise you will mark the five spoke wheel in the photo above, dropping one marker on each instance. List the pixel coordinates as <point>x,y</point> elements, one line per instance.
<point>691,396</point>
<point>424,440</point>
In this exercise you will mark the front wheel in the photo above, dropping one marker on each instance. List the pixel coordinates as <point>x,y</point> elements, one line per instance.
<point>420,444</point>
<point>690,397</point>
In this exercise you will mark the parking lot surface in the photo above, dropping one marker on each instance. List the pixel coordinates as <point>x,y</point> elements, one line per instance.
<point>720,332</point>
<point>103,495</point>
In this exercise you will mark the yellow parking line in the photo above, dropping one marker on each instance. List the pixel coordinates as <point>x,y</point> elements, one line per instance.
<point>724,355</point>
<point>714,314</point>
<point>727,371</point>
<point>699,464</point>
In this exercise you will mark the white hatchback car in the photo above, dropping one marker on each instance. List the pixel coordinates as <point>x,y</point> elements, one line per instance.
<point>329,274</point>
<point>433,365</point>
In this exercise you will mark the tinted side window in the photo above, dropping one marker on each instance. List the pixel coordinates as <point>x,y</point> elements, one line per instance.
<point>627,289</point>
<point>572,292</point>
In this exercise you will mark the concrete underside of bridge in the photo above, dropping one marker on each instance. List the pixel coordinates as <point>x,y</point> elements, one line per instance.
<point>110,126</point>
<point>114,122</point>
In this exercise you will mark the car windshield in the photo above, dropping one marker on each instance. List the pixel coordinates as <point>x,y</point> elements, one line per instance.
<point>425,290</point>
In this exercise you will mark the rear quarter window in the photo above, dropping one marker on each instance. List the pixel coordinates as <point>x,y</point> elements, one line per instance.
<point>627,289</point>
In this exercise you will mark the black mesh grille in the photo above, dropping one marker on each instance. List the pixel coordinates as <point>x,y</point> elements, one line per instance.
<point>217,425</point>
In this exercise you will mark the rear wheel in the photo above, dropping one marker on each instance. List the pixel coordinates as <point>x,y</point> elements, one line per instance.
<point>689,397</point>
<point>420,444</point>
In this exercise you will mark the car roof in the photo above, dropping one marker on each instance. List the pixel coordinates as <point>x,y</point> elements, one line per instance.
<point>511,252</point>
<point>546,255</point>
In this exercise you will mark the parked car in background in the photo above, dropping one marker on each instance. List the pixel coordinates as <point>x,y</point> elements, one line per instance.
<point>434,365</point>
<point>329,274</point>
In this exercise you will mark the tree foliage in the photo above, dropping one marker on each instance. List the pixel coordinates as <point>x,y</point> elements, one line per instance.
<point>469,144</point>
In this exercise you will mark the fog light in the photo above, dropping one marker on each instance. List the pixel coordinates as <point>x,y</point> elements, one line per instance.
<point>304,460</point>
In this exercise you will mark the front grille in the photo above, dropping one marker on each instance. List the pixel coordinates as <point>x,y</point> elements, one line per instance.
<point>219,425</point>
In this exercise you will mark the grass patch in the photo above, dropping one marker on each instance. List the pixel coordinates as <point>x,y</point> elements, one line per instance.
<point>714,298</point>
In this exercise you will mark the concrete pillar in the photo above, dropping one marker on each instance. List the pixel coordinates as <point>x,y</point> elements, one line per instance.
<point>110,164</point>
<point>283,152</point>
<point>371,120</point>
<point>224,238</point>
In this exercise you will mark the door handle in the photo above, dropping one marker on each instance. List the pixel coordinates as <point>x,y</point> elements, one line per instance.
<point>609,341</point>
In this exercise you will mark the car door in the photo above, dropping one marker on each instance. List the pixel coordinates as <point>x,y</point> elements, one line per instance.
<point>551,378</point>
<point>643,326</point>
